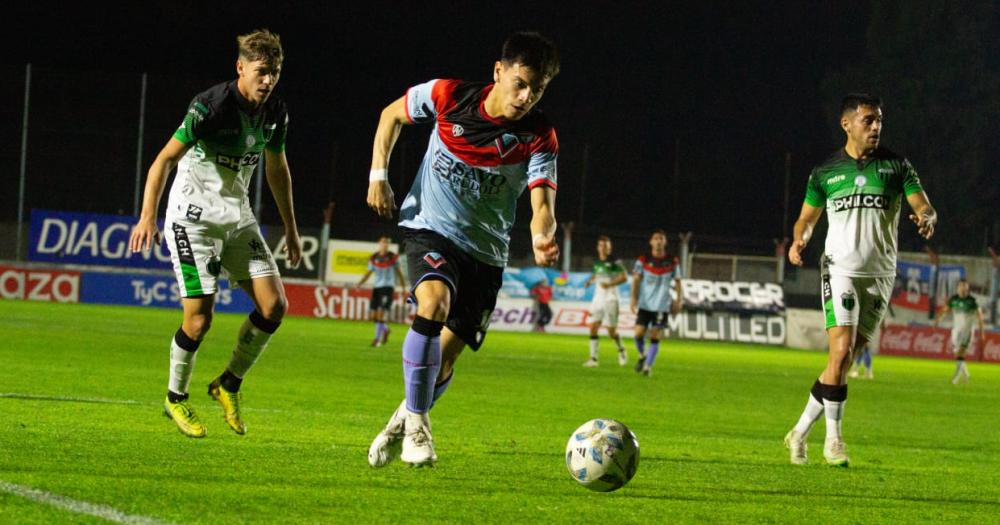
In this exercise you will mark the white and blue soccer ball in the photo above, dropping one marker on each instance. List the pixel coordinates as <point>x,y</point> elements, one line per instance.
<point>602,455</point>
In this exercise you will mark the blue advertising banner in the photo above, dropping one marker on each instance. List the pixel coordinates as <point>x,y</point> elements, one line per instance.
<point>152,290</point>
<point>89,238</point>
<point>566,286</point>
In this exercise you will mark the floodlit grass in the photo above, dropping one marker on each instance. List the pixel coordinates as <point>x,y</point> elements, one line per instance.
<point>80,417</point>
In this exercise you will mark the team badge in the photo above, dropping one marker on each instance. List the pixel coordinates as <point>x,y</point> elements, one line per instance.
<point>860,180</point>
<point>847,300</point>
<point>507,143</point>
<point>434,259</point>
<point>194,212</point>
<point>251,140</point>
<point>457,130</point>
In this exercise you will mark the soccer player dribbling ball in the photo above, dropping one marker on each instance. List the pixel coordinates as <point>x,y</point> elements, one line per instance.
<point>861,186</point>
<point>210,226</point>
<point>489,144</point>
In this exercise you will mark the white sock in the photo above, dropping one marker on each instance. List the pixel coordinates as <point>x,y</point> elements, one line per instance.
<point>965,369</point>
<point>618,342</point>
<point>181,367</point>
<point>834,413</point>
<point>593,348</point>
<point>249,345</point>
<point>959,365</point>
<point>810,415</point>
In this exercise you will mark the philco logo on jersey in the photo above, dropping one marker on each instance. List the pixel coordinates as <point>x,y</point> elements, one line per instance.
<point>235,163</point>
<point>861,200</point>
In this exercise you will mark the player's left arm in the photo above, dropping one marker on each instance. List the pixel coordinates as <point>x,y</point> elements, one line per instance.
<point>543,225</point>
<point>982,324</point>
<point>279,179</point>
<point>924,215</point>
<point>679,301</point>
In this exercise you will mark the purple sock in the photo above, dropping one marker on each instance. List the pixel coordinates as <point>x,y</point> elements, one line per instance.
<point>421,363</point>
<point>640,345</point>
<point>378,330</point>
<point>440,388</point>
<point>654,349</point>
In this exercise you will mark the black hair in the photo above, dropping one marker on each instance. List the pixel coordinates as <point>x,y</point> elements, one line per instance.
<point>852,100</point>
<point>531,49</point>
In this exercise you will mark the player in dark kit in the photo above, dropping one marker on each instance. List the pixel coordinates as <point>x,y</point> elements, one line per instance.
<point>385,266</point>
<point>210,227</point>
<point>488,145</point>
<point>862,187</point>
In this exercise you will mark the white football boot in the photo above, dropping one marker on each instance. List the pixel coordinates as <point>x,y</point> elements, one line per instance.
<point>835,452</point>
<point>590,363</point>
<point>418,445</point>
<point>385,448</point>
<point>795,442</point>
<point>622,358</point>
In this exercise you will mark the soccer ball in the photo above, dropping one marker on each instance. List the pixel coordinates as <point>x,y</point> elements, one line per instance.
<point>602,455</point>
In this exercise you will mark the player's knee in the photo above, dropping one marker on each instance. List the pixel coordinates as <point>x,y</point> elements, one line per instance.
<point>196,326</point>
<point>274,310</point>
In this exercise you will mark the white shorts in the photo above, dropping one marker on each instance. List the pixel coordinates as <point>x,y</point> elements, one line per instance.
<point>856,301</point>
<point>960,338</point>
<point>201,251</point>
<point>605,312</point>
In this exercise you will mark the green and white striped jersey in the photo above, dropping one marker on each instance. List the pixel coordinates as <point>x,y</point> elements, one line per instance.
<point>228,138</point>
<point>862,201</point>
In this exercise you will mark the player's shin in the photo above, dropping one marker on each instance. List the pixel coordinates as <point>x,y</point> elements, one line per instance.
<point>183,351</point>
<point>654,350</point>
<point>421,363</point>
<point>813,410</point>
<point>253,337</point>
<point>640,345</point>
<point>441,387</point>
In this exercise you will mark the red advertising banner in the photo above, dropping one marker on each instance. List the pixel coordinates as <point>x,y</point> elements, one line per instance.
<point>338,302</point>
<point>39,285</point>
<point>935,343</point>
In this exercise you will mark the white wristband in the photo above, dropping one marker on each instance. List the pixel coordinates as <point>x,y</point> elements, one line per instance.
<point>376,175</point>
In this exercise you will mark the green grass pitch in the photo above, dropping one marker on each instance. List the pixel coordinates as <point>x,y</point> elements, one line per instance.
<point>710,423</point>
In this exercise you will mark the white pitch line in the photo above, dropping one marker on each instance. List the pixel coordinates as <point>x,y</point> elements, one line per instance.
<point>105,401</point>
<point>80,507</point>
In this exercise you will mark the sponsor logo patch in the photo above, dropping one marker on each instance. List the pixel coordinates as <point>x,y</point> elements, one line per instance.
<point>457,130</point>
<point>194,212</point>
<point>860,200</point>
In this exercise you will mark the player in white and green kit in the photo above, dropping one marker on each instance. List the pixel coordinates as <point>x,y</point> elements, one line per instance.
<point>965,312</point>
<point>861,187</point>
<point>210,227</point>
<point>608,274</point>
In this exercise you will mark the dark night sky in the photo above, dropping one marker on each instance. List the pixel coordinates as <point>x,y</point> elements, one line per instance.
<point>736,86</point>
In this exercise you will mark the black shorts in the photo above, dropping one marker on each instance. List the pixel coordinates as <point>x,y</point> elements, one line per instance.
<point>474,285</point>
<point>645,318</point>
<point>381,298</point>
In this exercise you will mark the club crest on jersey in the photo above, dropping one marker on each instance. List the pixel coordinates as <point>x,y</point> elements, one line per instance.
<point>507,143</point>
<point>251,140</point>
<point>860,180</point>
<point>847,300</point>
<point>434,259</point>
<point>457,130</point>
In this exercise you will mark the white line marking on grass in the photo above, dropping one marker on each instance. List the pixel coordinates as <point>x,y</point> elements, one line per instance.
<point>36,397</point>
<point>80,507</point>
<point>105,401</point>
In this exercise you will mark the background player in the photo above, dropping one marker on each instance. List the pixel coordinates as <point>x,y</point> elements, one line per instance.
<point>608,274</point>
<point>863,364</point>
<point>964,310</point>
<point>651,277</point>
<point>385,265</point>
<point>209,223</point>
<point>541,292</point>
<point>861,186</point>
<point>489,143</point>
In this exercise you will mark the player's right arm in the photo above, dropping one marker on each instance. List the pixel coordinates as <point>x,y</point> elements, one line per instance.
<point>145,234</point>
<point>365,277</point>
<point>941,313</point>
<point>636,283</point>
<point>380,197</point>
<point>803,231</point>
